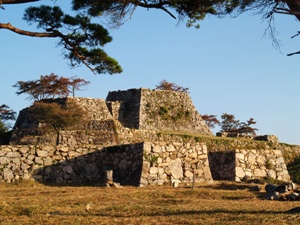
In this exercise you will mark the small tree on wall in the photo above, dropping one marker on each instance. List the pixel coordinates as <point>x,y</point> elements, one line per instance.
<point>231,125</point>
<point>55,116</point>
<point>210,120</point>
<point>50,86</point>
<point>165,85</point>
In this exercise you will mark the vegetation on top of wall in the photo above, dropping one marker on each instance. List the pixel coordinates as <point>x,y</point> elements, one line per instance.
<point>226,143</point>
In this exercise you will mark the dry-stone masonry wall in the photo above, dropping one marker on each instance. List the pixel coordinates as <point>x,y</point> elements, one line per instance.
<point>175,162</point>
<point>164,160</point>
<point>66,165</point>
<point>158,110</point>
<point>239,164</point>
<point>135,164</point>
<point>139,109</point>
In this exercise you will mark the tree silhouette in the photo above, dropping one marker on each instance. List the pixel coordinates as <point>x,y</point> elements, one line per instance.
<point>210,120</point>
<point>165,85</point>
<point>50,86</point>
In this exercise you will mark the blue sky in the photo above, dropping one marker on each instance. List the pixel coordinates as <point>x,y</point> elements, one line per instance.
<point>227,64</point>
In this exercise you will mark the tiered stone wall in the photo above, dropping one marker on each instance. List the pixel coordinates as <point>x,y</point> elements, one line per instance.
<point>139,109</point>
<point>165,159</point>
<point>239,164</point>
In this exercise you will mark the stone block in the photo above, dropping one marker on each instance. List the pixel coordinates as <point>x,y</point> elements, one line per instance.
<point>188,174</point>
<point>4,160</point>
<point>239,172</point>
<point>257,173</point>
<point>24,149</point>
<point>8,174</point>
<point>153,170</point>
<point>48,161</point>
<point>170,148</point>
<point>193,155</point>
<point>280,160</point>
<point>176,168</point>
<point>42,153</point>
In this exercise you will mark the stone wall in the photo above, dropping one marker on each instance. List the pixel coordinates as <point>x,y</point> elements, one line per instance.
<point>237,165</point>
<point>165,159</point>
<point>136,109</point>
<point>175,162</point>
<point>170,110</point>
<point>66,165</point>
<point>147,109</point>
<point>134,164</point>
<point>129,106</point>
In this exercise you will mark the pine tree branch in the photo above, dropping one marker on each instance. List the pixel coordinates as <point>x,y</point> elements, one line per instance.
<point>8,26</point>
<point>3,2</point>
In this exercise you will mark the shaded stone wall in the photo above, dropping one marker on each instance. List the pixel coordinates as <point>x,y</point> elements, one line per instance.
<point>66,165</point>
<point>135,164</point>
<point>157,162</point>
<point>129,106</point>
<point>237,165</point>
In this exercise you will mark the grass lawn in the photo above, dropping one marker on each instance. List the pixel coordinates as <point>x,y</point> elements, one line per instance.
<point>219,203</point>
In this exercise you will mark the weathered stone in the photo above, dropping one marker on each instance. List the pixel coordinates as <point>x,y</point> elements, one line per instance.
<point>7,174</point>
<point>170,148</point>
<point>261,160</point>
<point>188,174</point>
<point>153,170</point>
<point>272,174</point>
<point>240,156</point>
<point>193,155</point>
<point>68,169</point>
<point>147,147</point>
<point>16,161</point>
<point>27,161</point>
<point>257,173</point>
<point>279,160</point>
<point>277,152</point>
<point>42,153</point>
<point>207,173</point>
<point>156,148</point>
<point>13,155</point>
<point>145,168</point>
<point>24,149</point>
<point>30,157</point>
<point>4,160</point>
<point>64,149</point>
<point>176,169</point>
<point>251,159</point>
<point>239,172</point>
<point>25,166</point>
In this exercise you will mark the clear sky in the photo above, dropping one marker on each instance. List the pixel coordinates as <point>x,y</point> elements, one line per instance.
<point>227,64</point>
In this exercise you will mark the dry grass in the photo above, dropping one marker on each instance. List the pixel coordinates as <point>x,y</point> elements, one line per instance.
<point>221,203</point>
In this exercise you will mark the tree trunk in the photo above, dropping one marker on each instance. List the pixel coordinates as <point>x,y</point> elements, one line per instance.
<point>294,6</point>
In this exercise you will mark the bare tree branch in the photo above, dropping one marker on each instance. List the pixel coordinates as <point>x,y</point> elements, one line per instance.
<point>294,53</point>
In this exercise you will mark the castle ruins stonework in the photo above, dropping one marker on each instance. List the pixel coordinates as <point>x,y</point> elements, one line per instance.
<point>143,136</point>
